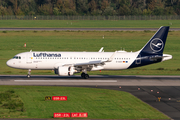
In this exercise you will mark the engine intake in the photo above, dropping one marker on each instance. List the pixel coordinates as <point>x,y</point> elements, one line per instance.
<point>65,71</point>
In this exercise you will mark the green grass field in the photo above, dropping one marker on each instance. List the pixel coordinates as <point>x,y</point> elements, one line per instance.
<point>11,43</point>
<point>99,103</point>
<point>89,23</point>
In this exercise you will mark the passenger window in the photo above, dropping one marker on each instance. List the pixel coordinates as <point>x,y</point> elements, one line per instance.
<point>19,57</point>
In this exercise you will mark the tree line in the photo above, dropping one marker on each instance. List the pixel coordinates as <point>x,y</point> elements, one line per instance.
<point>90,7</point>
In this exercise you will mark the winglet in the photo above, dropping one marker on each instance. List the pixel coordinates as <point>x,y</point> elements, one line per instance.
<point>101,50</point>
<point>112,56</point>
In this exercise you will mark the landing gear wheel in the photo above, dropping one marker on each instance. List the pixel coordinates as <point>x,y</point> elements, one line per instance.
<point>82,75</point>
<point>86,76</point>
<point>28,75</point>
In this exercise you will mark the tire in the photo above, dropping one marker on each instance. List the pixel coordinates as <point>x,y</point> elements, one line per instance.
<point>28,76</point>
<point>82,75</point>
<point>86,76</point>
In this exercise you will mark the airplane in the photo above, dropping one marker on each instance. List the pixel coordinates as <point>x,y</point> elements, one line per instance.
<point>68,63</point>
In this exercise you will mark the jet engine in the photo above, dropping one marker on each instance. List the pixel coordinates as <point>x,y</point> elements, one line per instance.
<point>65,71</point>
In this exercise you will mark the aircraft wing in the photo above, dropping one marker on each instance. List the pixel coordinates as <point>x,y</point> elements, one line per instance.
<point>90,63</point>
<point>99,62</point>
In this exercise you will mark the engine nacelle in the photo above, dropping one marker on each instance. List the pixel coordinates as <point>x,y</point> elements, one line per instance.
<point>65,71</point>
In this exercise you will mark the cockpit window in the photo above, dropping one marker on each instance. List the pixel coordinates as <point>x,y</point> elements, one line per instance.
<point>17,57</point>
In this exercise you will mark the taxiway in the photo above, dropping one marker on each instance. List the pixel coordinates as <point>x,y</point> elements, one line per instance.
<point>94,80</point>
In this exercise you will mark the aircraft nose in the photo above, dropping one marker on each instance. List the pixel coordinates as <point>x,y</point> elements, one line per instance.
<point>9,63</point>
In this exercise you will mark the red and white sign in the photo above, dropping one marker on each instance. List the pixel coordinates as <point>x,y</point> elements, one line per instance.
<point>79,114</point>
<point>61,115</point>
<point>60,98</point>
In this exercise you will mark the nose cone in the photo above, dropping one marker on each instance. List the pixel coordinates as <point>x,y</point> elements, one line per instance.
<point>9,63</point>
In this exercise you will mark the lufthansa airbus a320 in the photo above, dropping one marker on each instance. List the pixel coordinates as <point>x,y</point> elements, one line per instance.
<point>68,63</point>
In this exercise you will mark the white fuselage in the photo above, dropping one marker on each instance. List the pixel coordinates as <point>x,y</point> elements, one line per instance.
<point>52,60</point>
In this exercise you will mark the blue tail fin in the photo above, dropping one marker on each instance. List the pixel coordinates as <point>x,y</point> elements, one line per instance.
<point>157,43</point>
<point>152,52</point>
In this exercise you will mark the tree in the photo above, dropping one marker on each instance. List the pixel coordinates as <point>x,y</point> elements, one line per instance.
<point>65,7</point>
<point>9,11</point>
<point>136,11</point>
<point>104,4</point>
<point>3,11</point>
<point>124,10</point>
<point>147,12</point>
<point>45,9</point>
<point>56,11</point>
<point>169,11</point>
<point>15,7</point>
<point>151,5</point>
<point>19,11</point>
<point>24,4</point>
<point>158,11</point>
<point>82,7</point>
<point>4,3</point>
<point>109,11</point>
<point>92,7</point>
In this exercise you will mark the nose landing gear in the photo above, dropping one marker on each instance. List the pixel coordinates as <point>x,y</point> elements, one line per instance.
<point>29,73</point>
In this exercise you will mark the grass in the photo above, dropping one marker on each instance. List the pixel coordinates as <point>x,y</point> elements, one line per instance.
<point>11,104</point>
<point>99,103</point>
<point>88,23</point>
<point>12,43</point>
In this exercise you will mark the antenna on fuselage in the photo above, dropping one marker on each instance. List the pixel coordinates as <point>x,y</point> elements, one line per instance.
<point>30,50</point>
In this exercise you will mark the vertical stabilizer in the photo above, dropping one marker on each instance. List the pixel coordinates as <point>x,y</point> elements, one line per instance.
<point>157,43</point>
<point>152,52</point>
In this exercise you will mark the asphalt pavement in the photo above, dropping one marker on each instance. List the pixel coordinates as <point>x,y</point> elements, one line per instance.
<point>161,92</point>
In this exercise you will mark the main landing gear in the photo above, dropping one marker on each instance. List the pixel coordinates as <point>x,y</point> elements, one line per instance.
<point>84,75</point>
<point>29,73</point>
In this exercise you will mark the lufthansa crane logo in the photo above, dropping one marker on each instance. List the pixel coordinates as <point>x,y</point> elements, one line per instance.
<point>156,45</point>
